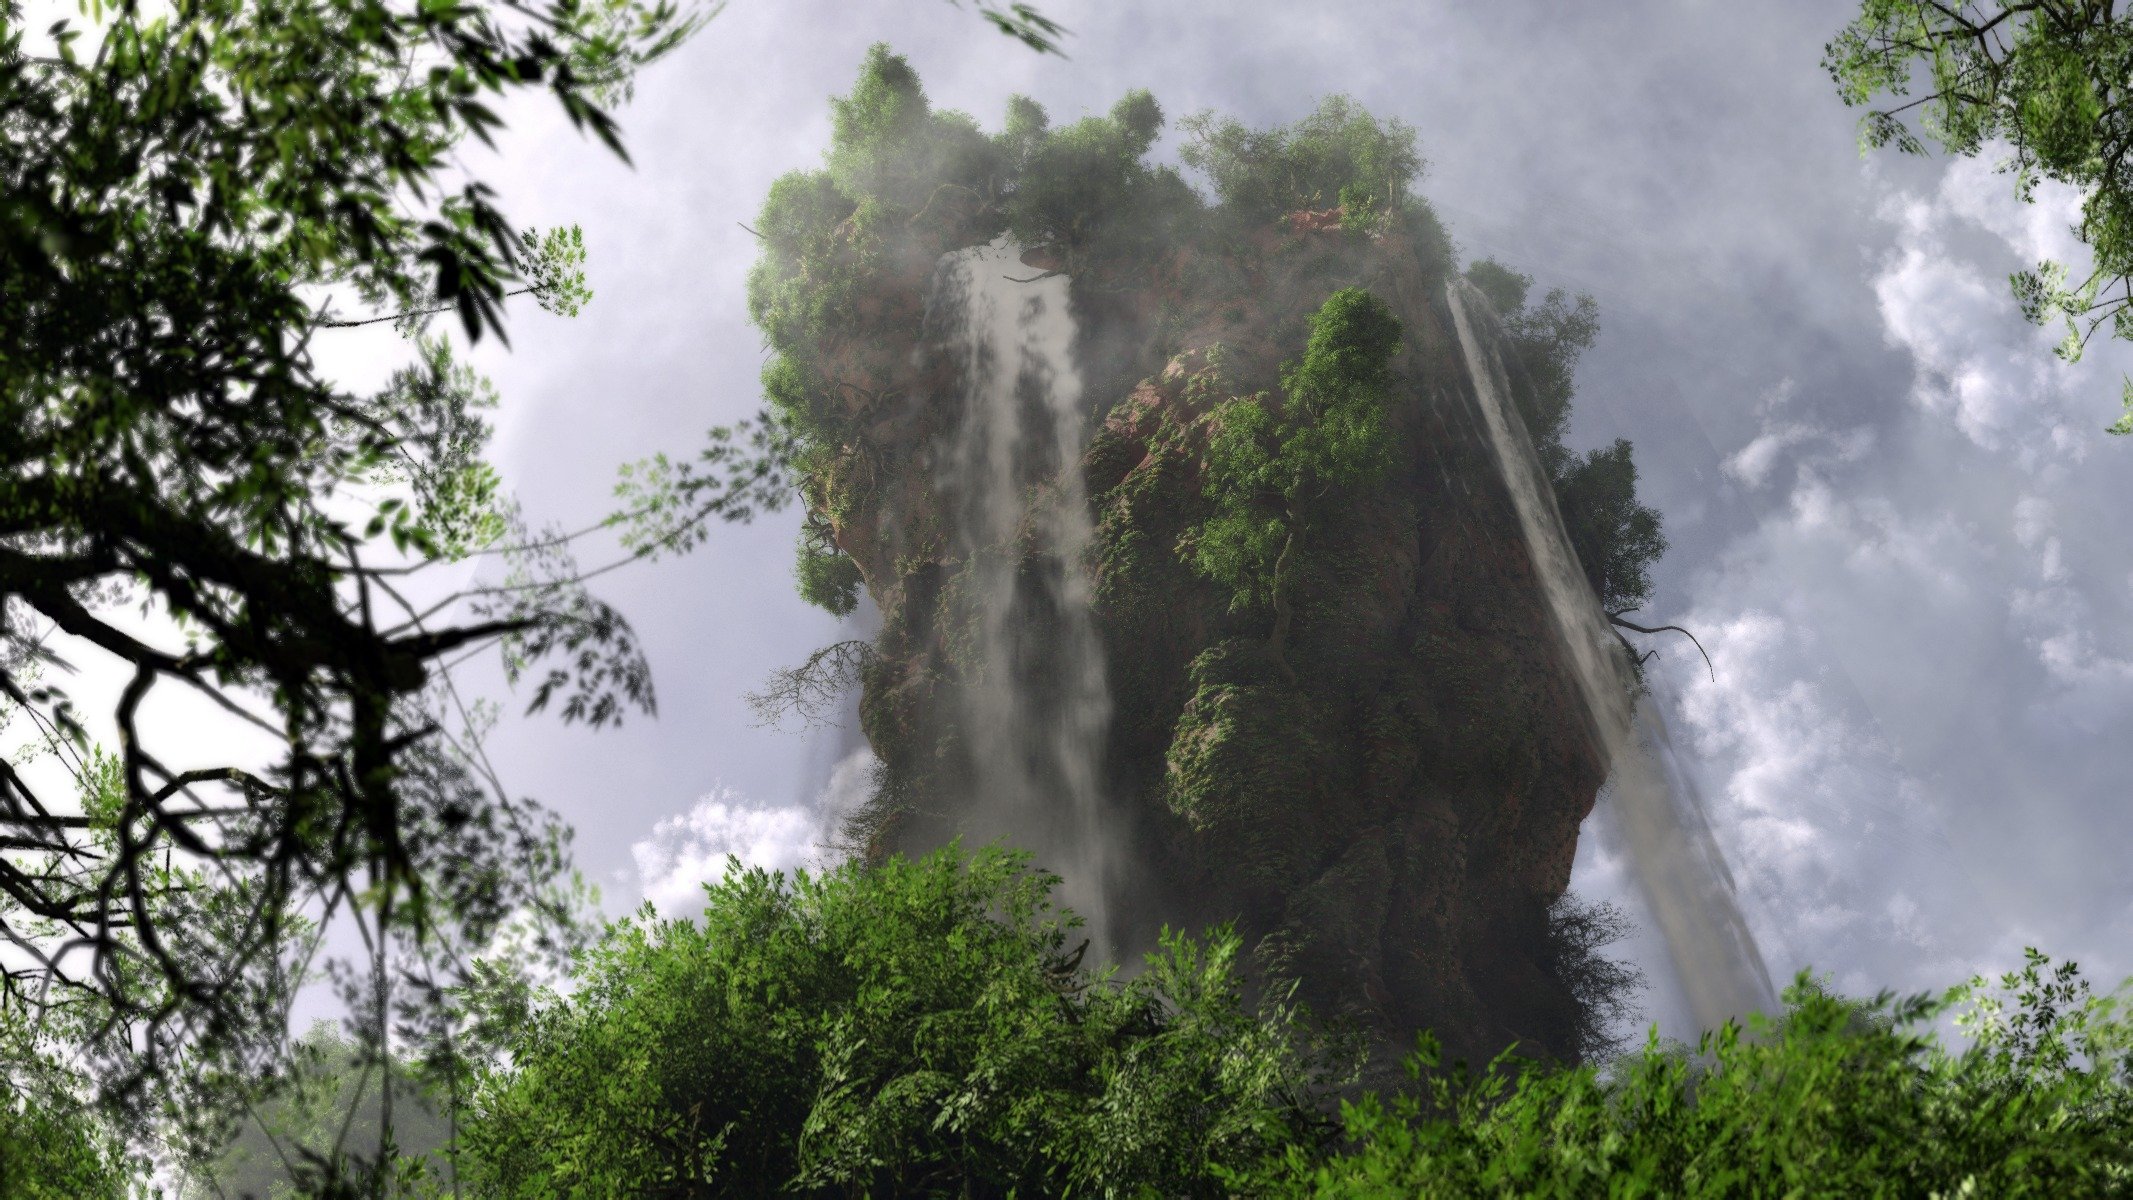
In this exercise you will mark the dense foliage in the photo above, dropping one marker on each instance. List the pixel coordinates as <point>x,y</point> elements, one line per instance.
<point>1272,472</point>
<point>2050,81</point>
<point>1835,1098</point>
<point>923,1028</point>
<point>52,1153</point>
<point>1338,155</point>
<point>54,1145</point>
<point>917,1028</point>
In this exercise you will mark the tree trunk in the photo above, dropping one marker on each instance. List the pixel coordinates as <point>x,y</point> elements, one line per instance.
<point>1284,611</point>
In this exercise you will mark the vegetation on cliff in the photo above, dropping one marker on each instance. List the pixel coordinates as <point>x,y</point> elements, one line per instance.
<point>1272,471</point>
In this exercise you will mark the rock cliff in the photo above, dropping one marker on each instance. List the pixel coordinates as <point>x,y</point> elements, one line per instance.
<point>1385,799</point>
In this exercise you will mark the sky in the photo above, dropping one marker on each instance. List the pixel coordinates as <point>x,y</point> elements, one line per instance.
<point>1893,513</point>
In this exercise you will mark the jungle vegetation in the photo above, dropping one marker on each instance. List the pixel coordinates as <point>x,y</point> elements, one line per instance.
<point>930,1028</point>
<point>192,197</point>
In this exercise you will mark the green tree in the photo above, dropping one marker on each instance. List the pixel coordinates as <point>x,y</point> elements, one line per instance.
<point>2048,78</point>
<point>1339,154</point>
<point>916,1028</point>
<point>1083,193</point>
<point>1617,539</point>
<point>1273,472</point>
<point>192,198</point>
<point>187,207</point>
<point>49,1153</point>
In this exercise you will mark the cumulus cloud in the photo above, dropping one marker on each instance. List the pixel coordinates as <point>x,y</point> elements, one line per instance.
<point>691,849</point>
<point>1924,635</point>
<point>1977,360</point>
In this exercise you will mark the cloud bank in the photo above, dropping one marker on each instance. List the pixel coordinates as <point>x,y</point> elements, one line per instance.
<point>1923,639</point>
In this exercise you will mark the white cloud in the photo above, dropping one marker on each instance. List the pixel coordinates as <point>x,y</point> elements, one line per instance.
<point>691,849</point>
<point>1925,644</point>
<point>1808,445</point>
<point>1978,362</point>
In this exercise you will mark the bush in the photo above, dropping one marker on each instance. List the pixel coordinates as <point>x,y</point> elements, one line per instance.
<point>1836,1098</point>
<point>828,577</point>
<point>48,1152</point>
<point>916,1028</point>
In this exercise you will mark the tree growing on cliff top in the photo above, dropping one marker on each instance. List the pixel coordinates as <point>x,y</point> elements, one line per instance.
<point>2053,80</point>
<point>1617,539</point>
<point>1340,153</point>
<point>1274,472</point>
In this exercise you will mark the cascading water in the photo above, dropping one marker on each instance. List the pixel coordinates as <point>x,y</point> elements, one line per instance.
<point>1675,858</point>
<point>1035,706</point>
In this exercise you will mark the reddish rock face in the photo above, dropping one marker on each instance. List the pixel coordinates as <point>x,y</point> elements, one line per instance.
<point>1390,824</point>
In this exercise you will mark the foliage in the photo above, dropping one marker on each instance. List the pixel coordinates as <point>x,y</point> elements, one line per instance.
<point>73,1034</point>
<point>53,1144</point>
<point>1339,154</point>
<point>1602,987</point>
<point>1544,343</point>
<point>1246,769</point>
<point>1083,192</point>
<point>185,209</point>
<point>2049,80</point>
<point>1616,538</point>
<point>1023,23</point>
<point>322,1119</point>
<point>916,1028</point>
<point>1835,1098</point>
<point>893,164</point>
<point>1272,473</point>
<point>813,689</point>
<point>55,1154</point>
<point>828,577</point>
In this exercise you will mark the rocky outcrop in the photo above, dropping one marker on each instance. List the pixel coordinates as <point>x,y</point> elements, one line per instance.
<point>1387,802</point>
<point>1395,819</point>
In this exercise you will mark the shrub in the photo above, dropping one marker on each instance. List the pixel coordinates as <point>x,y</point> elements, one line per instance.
<point>1836,1098</point>
<point>1339,152</point>
<point>917,1028</point>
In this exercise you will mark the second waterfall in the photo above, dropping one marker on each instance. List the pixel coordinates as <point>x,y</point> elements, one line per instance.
<point>1036,709</point>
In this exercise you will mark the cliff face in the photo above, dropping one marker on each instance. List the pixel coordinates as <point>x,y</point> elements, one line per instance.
<point>1389,803</point>
<point>1400,814</point>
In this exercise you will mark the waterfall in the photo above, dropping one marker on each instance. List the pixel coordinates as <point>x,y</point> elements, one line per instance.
<point>1672,853</point>
<point>1035,706</point>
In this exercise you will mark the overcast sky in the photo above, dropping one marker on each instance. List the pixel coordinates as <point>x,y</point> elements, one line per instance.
<point>1896,520</point>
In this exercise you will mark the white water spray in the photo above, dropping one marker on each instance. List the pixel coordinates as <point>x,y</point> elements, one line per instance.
<point>1675,858</point>
<point>1036,707</point>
